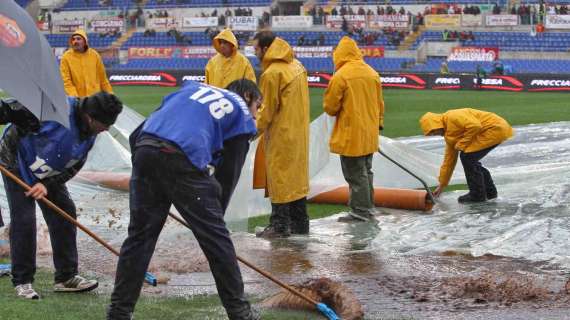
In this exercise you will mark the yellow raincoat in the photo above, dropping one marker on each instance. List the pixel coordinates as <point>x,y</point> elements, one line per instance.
<point>221,71</point>
<point>83,73</point>
<point>467,130</point>
<point>354,96</point>
<point>284,122</point>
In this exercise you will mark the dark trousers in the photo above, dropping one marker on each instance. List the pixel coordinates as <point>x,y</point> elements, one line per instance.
<point>290,215</point>
<point>358,174</point>
<point>229,169</point>
<point>158,180</point>
<point>63,234</point>
<point>478,178</point>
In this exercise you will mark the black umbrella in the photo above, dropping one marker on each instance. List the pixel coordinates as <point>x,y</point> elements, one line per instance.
<point>28,68</point>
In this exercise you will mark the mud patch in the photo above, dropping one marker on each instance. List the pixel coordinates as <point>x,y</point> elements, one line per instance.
<point>476,292</point>
<point>335,295</point>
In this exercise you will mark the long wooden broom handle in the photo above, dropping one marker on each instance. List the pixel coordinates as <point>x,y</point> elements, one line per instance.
<point>60,211</point>
<point>257,269</point>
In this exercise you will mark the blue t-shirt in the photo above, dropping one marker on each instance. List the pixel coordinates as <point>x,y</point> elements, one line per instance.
<point>53,149</point>
<point>198,118</point>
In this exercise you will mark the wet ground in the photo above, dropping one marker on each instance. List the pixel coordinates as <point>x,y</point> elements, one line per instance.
<point>505,259</point>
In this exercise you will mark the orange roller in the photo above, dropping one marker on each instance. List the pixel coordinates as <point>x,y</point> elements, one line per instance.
<point>111,180</point>
<point>383,197</point>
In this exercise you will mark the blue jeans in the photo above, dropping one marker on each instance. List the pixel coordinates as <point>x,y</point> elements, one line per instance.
<point>158,180</point>
<point>63,234</point>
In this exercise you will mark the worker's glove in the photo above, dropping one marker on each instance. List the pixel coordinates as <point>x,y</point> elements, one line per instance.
<point>14,112</point>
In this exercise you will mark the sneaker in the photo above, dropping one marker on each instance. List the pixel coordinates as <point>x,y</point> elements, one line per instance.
<point>469,198</point>
<point>270,232</point>
<point>76,284</point>
<point>27,292</point>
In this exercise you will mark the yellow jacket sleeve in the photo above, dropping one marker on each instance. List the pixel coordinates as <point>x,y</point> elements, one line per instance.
<point>448,166</point>
<point>333,96</point>
<point>270,106</point>
<point>68,85</point>
<point>102,74</point>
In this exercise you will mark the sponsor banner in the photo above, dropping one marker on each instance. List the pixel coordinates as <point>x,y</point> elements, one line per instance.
<point>549,83</point>
<point>336,21</point>
<point>104,25</point>
<point>446,82</point>
<point>244,23</point>
<point>501,20</point>
<point>404,80</point>
<point>67,26</point>
<point>171,52</point>
<point>502,83</point>
<point>198,22</point>
<point>372,51</point>
<point>313,52</point>
<point>141,77</point>
<point>473,54</point>
<point>419,81</point>
<point>161,23</point>
<point>292,21</point>
<point>388,21</point>
<point>557,21</point>
<point>319,79</point>
<point>442,20</point>
<point>471,20</point>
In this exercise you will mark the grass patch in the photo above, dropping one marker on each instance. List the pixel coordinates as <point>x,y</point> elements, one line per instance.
<point>92,306</point>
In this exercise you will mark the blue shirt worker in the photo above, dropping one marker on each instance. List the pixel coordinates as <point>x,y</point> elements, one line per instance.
<point>46,155</point>
<point>175,152</point>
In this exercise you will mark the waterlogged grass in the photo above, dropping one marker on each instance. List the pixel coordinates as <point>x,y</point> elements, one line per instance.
<point>92,305</point>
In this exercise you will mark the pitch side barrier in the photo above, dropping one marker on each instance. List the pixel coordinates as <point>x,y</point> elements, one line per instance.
<point>403,80</point>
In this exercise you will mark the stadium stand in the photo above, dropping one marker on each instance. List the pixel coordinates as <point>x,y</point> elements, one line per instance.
<point>95,40</point>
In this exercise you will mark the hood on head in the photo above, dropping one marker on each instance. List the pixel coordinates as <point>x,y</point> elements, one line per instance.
<point>82,33</point>
<point>431,121</point>
<point>227,35</point>
<point>346,50</point>
<point>279,50</point>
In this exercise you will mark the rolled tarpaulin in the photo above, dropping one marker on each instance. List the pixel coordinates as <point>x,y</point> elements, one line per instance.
<point>111,180</point>
<point>383,197</point>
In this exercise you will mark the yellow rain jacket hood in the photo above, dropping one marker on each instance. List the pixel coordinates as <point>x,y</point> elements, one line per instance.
<point>354,97</point>
<point>221,71</point>
<point>284,122</point>
<point>83,73</point>
<point>467,130</point>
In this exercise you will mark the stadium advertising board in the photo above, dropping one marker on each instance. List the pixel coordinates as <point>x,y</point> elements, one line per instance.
<point>171,52</point>
<point>501,20</point>
<point>336,21</point>
<point>69,25</point>
<point>418,81</point>
<point>242,23</point>
<point>313,52</point>
<point>199,22</point>
<point>292,21</point>
<point>548,83</point>
<point>473,54</point>
<point>388,21</point>
<point>142,78</point>
<point>107,24</point>
<point>471,20</point>
<point>557,21</point>
<point>162,23</point>
<point>442,20</point>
